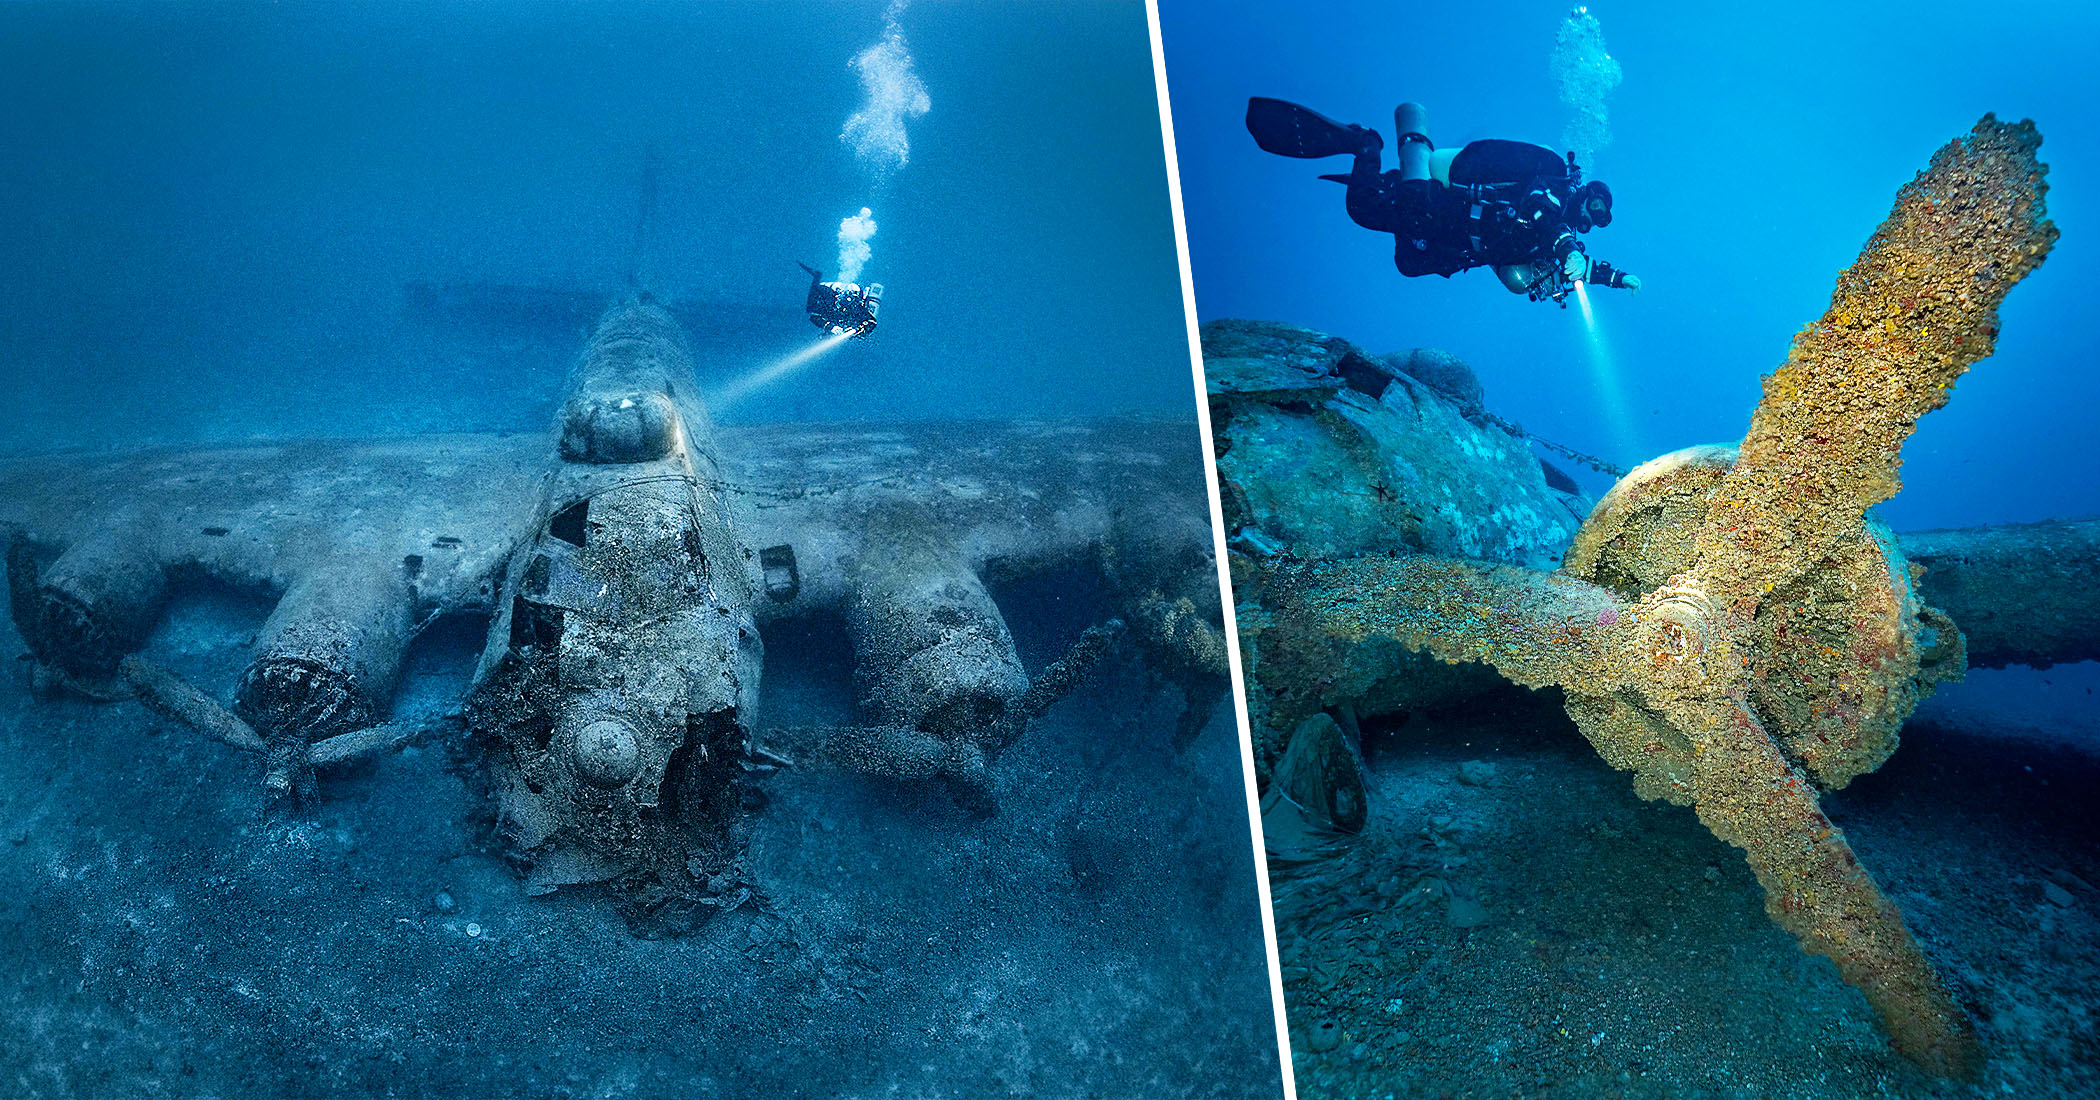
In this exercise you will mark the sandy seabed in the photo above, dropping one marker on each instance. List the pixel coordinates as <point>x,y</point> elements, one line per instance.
<point>1515,922</point>
<point>1098,936</point>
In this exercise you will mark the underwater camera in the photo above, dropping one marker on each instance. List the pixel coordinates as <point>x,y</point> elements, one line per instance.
<point>1555,277</point>
<point>844,309</point>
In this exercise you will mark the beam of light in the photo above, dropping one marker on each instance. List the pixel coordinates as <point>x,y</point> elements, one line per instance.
<point>774,371</point>
<point>1610,393</point>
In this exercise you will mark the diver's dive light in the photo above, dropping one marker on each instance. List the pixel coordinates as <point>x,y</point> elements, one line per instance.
<point>1556,274</point>
<point>1555,278</point>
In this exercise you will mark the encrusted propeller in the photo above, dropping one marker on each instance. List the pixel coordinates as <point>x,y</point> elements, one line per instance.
<point>1730,625</point>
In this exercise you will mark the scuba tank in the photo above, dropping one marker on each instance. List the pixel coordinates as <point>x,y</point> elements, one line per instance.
<point>1411,138</point>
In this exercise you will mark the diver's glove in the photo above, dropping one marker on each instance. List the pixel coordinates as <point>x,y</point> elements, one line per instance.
<point>1604,274</point>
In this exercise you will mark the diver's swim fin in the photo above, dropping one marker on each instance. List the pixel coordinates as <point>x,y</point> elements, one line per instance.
<point>1289,130</point>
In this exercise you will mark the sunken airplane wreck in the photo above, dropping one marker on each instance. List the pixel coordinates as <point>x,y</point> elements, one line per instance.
<point>629,565</point>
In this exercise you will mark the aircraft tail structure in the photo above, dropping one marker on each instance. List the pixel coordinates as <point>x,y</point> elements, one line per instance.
<point>638,265</point>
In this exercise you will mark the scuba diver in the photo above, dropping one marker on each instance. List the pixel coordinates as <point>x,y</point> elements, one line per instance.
<point>1509,205</point>
<point>841,309</point>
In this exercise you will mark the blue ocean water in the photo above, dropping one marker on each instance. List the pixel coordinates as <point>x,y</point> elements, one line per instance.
<point>211,210</point>
<point>212,217</point>
<point>1755,147</point>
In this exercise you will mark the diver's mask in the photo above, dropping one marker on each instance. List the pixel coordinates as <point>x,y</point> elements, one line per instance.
<point>1590,207</point>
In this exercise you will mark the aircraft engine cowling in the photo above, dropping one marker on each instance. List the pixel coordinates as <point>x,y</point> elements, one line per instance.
<point>932,651</point>
<point>330,653</point>
<point>94,604</point>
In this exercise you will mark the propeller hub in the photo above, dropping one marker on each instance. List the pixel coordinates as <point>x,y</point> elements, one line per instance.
<point>606,753</point>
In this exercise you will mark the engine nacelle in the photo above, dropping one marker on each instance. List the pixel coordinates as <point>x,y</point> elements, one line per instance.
<point>95,604</point>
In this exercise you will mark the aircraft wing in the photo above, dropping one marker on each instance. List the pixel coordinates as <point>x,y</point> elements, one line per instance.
<point>448,511</point>
<point>1003,496</point>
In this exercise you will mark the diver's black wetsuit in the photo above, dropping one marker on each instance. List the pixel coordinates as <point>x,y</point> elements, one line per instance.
<point>1443,229</point>
<point>834,308</point>
<point>1510,205</point>
<point>1420,214</point>
<point>823,300</point>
